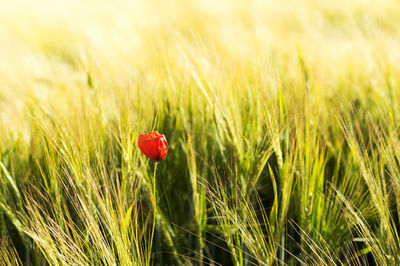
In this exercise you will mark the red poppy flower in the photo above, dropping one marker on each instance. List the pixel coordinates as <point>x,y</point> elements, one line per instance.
<point>153,145</point>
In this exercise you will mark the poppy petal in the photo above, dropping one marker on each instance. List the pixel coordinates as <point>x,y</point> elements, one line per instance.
<point>153,145</point>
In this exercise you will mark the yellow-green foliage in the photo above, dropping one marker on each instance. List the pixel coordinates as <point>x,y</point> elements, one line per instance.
<point>282,120</point>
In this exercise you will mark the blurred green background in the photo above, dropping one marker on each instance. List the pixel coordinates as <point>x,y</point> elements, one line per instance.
<point>282,120</point>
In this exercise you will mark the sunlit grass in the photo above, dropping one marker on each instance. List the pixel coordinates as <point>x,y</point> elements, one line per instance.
<point>282,121</point>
